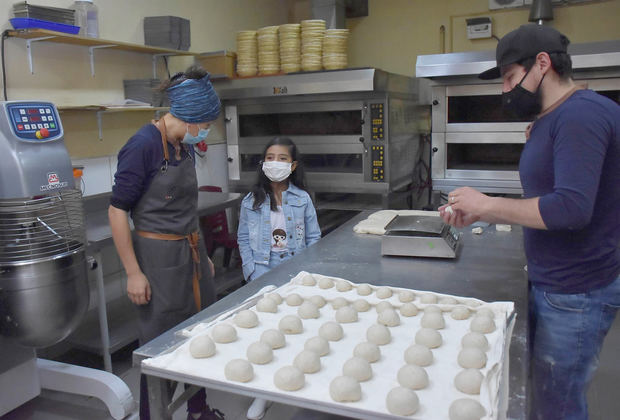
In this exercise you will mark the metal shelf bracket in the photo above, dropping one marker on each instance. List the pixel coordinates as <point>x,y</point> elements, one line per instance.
<point>91,56</point>
<point>29,49</point>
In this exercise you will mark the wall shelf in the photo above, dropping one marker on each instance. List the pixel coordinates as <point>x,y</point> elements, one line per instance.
<point>44,35</point>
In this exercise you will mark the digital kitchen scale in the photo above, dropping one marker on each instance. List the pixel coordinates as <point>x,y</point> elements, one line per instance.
<point>420,236</point>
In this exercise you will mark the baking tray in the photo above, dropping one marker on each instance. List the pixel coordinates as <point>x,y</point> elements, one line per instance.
<point>30,23</point>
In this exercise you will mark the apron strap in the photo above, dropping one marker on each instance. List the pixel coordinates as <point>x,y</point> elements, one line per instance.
<point>164,137</point>
<point>192,238</point>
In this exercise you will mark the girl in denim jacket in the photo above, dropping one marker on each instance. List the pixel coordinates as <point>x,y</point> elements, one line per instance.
<point>277,218</point>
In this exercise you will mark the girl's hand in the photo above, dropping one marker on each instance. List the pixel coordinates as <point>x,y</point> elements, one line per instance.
<point>138,288</point>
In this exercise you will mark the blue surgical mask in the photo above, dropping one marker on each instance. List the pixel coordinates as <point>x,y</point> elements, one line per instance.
<point>202,134</point>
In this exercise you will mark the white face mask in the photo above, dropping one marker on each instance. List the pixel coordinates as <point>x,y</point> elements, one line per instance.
<point>277,171</point>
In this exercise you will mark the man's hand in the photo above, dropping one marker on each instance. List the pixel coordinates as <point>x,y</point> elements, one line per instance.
<point>138,288</point>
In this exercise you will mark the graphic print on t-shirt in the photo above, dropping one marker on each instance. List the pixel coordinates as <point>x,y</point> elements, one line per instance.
<point>278,231</point>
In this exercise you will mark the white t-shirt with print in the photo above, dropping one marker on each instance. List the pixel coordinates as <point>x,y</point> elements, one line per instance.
<point>278,231</point>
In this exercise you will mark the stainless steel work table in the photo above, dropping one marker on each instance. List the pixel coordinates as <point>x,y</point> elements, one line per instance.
<point>98,236</point>
<point>490,267</point>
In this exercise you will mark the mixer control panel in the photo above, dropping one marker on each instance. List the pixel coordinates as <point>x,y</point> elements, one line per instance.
<point>32,121</point>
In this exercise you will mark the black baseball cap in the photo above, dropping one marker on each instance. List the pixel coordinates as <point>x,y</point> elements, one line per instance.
<point>525,42</point>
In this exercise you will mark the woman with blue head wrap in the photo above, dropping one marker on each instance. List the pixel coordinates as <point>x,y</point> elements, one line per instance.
<point>169,275</point>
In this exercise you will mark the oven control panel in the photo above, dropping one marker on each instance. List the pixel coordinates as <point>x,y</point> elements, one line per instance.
<point>377,147</point>
<point>376,116</point>
<point>377,163</point>
<point>33,121</point>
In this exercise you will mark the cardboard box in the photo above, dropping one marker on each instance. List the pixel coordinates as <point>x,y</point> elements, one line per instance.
<point>220,64</point>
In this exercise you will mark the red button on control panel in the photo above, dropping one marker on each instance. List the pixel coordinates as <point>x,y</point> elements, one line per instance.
<point>20,127</point>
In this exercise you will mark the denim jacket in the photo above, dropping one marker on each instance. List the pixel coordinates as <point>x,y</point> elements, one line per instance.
<point>254,233</point>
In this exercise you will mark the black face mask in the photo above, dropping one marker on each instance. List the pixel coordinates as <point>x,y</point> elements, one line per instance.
<point>522,102</point>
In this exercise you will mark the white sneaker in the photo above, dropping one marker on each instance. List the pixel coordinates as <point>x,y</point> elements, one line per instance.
<point>257,409</point>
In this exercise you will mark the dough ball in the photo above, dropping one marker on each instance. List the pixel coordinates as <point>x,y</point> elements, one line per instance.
<point>343,286</point>
<point>239,370</point>
<point>466,409</point>
<point>408,309</point>
<point>308,310</point>
<point>361,305</point>
<point>294,299</point>
<point>319,301</point>
<point>428,298</point>
<point>291,324</point>
<point>267,305</point>
<point>358,368</point>
<point>331,331</point>
<point>447,300</point>
<point>224,333</point>
<point>246,319</point>
<point>317,344</point>
<point>482,324</point>
<point>259,353</point>
<point>402,401</point>
<point>339,302</point>
<point>473,303</point>
<point>406,296</point>
<point>378,334</point>
<point>364,289</point>
<point>346,314</point>
<point>469,381</point>
<point>428,337</point>
<point>389,318</point>
<point>412,377</point>
<point>460,312</point>
<point>472,357</point>
<point>418,355</point>
<point>382,306</point>
<point>367,350</point>
<point>307,361</point>
<point>274,338</point>
<point>201,347</point>
<point>475,339</point>
<point>308,280</point>
<point>384,292</point>
<point>289,378</point>
<point>434,321</point>
<point>432,309</point>
<point>345,389</point>
<point>275,297</point>
<point>486,312</point>
<point>326,283</point>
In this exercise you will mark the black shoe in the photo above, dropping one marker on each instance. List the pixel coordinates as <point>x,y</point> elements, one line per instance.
<point>208,414</point>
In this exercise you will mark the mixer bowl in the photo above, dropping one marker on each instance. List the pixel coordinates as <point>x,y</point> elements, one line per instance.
<point>41,303</point>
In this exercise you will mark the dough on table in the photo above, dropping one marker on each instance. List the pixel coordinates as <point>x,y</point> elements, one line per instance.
<point>460,312</point>
<point>326,283</point>
<point>291,324</point>
<point>482,324</point>
<point>486,312</point>
<point>406,296</point>
<point>201,347</point>
<point>275,296</point>
<point>402,401</point>
<point>224,333</point>
<point>357,368</point>
<point>367,350</point>
<point>408,309</point>
<point>239,370</point>
<point>319,301</point>
<point>308,280</point>
<point>343,286</point>
<point>345,389</point>
<point>382,306</point>
<point>432,309</point>
<point>389,318</point>
<point>466,409</point>
<point>246,319</point>
<point>274,338</point>
<point>308,310</point>
<point>361,305</point>
<point>364,289</point>
<point>294,299</point>
<point>428,298</point>
<point>472,357</point>
<point>475,339</point>
<point>331,331</point>
<point>346,314</point>
<point>447,300</point>
<point>412,377</point>
<point>259,353</point>
<point>384,292</point>
<point>289,378</point>
<point>428,337</point>
<point>307,361</point>
<point>378,334</point>
<point>468,381</point>
<point>267,305</point>
<point>418,355</point>
<point>433,320</point>
<point>317,344</point>
<point>339,302</point>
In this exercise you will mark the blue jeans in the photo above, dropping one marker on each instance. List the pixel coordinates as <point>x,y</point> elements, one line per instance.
<point>275,258</point>
<point>566,336</point>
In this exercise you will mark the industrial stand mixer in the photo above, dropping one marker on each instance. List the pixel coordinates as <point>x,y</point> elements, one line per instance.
<point>43,269</point>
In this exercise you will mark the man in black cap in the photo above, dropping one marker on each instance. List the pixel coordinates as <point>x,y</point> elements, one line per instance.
<point>570,212</point>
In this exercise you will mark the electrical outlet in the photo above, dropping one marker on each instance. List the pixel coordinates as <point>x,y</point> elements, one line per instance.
<point>478,28</point>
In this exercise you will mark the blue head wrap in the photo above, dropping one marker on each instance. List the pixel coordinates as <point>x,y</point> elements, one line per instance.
<point>194,101</point>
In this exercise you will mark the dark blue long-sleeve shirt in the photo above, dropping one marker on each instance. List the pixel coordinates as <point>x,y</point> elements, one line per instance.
<point>572,162</point>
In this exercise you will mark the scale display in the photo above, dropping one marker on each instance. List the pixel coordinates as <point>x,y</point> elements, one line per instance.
<point>33,121</point>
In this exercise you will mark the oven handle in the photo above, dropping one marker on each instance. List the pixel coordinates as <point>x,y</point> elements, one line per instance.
<point>362,140</point>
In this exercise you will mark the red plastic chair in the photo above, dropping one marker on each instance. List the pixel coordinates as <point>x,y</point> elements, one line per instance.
<point>215,231</point>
